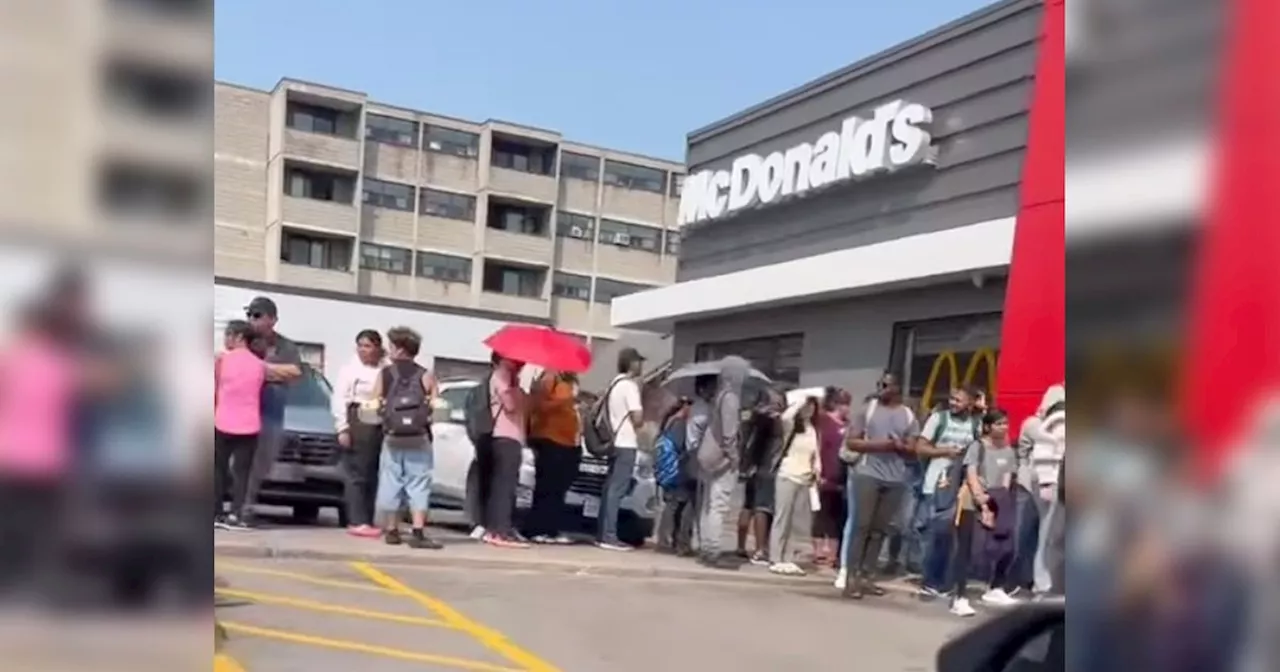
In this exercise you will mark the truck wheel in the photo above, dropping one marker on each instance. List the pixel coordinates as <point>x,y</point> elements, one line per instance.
<point>306,514</point>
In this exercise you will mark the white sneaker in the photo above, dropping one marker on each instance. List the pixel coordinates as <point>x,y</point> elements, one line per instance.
<point>960,607</point>
<point>477,532</point>
<point>842,578</point>
<point>996,597</point>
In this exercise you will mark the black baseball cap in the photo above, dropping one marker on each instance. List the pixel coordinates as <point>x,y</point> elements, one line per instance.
<point>629,356</point>
<point>261,304</point>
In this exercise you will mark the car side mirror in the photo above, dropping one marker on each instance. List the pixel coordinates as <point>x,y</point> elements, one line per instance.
<point>1030,638</point>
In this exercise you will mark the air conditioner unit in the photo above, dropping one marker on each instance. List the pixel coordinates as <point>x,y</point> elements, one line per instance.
<point>622,239</point>
<point>434,145</point>
<point>577,232</point>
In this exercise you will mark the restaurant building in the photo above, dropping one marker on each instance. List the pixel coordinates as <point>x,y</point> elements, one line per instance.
<point>862,221</point>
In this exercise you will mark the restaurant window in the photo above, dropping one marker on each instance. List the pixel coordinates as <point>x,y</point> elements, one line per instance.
<point>778,357</point>
<point>923,353</point>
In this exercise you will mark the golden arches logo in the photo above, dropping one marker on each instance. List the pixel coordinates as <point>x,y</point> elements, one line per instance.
<point>947,358</point>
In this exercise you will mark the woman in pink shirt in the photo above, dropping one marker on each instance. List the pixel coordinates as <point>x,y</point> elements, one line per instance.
<point>237,419</point>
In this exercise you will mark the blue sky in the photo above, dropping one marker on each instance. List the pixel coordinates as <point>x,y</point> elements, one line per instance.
<point>635,76</point>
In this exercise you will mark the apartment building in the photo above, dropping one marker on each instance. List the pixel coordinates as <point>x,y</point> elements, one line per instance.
<point>320,188</point>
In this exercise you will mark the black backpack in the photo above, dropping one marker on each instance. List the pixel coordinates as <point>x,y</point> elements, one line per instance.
<point>598,431</point>
<point>406,411</point>
<point>480,413</point>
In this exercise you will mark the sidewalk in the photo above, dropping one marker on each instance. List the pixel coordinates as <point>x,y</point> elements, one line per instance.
<point>584,560</point>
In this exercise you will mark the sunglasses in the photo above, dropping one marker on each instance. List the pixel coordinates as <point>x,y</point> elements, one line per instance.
<point>255,315</point>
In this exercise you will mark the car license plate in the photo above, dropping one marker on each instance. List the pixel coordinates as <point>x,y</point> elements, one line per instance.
<point>286,473</point>
<point>597,469</point>
<point>591,507</point>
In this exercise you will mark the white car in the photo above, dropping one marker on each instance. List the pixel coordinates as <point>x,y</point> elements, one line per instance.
<point>455,476</point>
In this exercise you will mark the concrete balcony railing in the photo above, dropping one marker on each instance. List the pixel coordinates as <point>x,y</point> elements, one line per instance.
<point>317,278</point>
<point>518,246</point>
<point>632,204</point>
<point>320,148</point>
<point>458,173</point>
<point>517,305</point>
<point>518,183</point>
<point>321,214</point>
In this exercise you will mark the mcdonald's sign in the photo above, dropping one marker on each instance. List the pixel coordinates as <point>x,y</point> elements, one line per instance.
<point>947,359</point>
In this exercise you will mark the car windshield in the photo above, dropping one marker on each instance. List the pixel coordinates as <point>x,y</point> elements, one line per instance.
<point>310,390</point>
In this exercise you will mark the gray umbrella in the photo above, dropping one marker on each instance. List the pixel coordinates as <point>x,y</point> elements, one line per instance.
<point>680,381</point>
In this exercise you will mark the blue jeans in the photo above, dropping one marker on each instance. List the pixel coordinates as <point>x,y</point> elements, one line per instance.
<point>404,476</point>
<point>937,531</point>
<point>621,467</point>
<point>906,544</point>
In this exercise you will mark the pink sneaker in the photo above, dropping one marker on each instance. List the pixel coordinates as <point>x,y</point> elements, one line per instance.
<point>503,542</point>
<point>364,531</point>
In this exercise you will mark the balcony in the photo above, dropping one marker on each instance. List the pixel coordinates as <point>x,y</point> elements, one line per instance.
<point>523,167</point>
<point>518,230</point>
<point>176,33</point>
<point>318,197</point>
<point>316,278</point>
<point>514,288</point>
<point>515,305</point>
<point>322,132</point>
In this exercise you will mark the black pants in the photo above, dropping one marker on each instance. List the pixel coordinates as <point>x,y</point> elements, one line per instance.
<point>29,521</point>
<point>962,553</point>
<point>878,502</point>
<point>361,464</point>
<point>232,459</point>
<point>679,514</point>
<point>500,466</point>
<point>556,466</point>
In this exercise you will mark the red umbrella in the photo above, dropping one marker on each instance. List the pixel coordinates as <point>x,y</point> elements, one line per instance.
<point>541,346</point>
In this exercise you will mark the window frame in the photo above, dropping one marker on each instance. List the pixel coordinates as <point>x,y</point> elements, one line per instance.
<point>607,237</point>
<point>602,294</point>
<point>573,289</point>
<point>539,276</point>
<point>294,109</point>
<point>671,246</point>
<point>389,266</point>
<point>470,200</point>
<point>464,267</point>
<point>451,147</point>
<point>381,202</point>
<point>635,181</point>
<point>329,260</point>
<point>563,227</point>
<point>775,347</point>
<point>568,159</point>
<point>395,138</point>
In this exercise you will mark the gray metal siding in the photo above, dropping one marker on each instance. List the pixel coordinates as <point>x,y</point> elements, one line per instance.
<point>846,342</point>
<point>975,76</point>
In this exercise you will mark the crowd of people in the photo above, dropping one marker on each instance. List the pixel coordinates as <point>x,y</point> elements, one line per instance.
<point>955,497</point>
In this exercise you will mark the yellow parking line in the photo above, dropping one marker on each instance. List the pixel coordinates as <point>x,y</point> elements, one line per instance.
<point>357,647</point>
<point>303,578</point>
<point>224,663</point>
<point>490,638</point>
<point>309,605</point>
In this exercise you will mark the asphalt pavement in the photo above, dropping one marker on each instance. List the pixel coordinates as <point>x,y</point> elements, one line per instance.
<point>290,615</point>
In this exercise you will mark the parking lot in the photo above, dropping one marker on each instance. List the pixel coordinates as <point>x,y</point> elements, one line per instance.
<point>287,616</point>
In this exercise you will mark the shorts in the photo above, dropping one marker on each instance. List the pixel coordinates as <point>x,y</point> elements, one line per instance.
<point>828,521</point>
<point>759,495</point>
<point>404,477</point>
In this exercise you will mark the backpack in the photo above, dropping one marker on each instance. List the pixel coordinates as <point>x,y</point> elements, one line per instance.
<point>944,417</point>
<point>666,463</point>
<point>480,413</point>
<point>407,412</point>
<point>598,433</point>
<point>945,498</point>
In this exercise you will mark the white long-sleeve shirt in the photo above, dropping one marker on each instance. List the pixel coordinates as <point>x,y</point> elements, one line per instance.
<point>356,382</point>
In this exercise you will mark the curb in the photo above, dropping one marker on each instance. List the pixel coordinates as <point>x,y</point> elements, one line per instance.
<point>561,567</point>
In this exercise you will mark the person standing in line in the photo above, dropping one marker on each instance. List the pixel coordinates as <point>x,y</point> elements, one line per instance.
<point>762,446</point>
<point>671,449</point>
<point>832,505</point>
<point>947,433</point>
<point>1047,455</point>
<point>554,437</point>
<point>284,366</point>
<point>358,422</point>
<point>237,419</point>
<point>718,457</point>
<point>625,414</point>
<point>501,460</point>
<point>884,434</point>
<point>797,468</point>
<point>704,394</point>
<point>990,469</point>
<point>404,391</point>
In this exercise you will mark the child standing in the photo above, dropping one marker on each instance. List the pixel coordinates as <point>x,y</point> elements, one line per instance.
<point>405,391</point>
<point>237,419</point>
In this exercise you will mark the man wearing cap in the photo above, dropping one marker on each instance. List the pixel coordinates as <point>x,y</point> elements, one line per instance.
<point>284,365</point>
<point>625,415</point>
